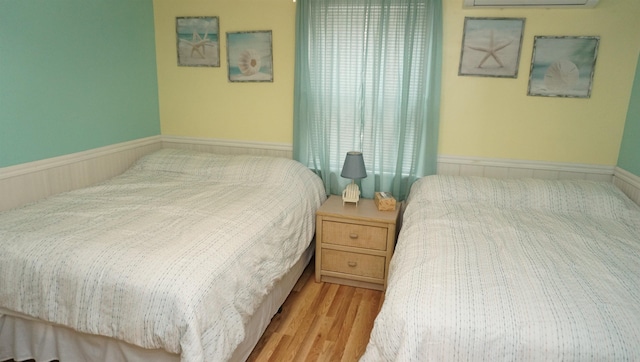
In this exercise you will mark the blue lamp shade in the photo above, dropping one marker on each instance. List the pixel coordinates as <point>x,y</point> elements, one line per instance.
<point>353,167</point>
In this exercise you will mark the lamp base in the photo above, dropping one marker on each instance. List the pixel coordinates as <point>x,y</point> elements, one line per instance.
<point>351,194</point>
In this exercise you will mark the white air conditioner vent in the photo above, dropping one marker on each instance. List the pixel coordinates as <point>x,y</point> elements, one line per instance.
<point>529,3</point>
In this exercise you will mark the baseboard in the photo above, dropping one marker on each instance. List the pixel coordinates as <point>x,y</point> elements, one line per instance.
<point>628,183</point>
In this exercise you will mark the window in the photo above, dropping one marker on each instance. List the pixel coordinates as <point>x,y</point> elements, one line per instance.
<point>367,79</point>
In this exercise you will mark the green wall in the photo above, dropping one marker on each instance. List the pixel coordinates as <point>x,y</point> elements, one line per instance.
<point>629,158</point>
<point>75,75</point>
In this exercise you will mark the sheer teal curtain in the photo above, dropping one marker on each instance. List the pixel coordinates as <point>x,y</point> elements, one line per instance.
<point>367,78</point>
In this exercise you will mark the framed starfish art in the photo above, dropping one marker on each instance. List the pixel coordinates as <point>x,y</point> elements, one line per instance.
<point>491,47</point>
<point>198,43</point>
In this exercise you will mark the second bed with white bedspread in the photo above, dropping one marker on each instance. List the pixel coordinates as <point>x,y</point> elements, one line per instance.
<point>512,270</point>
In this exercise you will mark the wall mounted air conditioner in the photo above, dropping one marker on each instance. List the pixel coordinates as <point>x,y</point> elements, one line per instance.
<point>529,3</point>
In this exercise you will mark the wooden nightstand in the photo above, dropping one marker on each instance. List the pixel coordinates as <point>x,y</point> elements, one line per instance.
<point>354,244</point>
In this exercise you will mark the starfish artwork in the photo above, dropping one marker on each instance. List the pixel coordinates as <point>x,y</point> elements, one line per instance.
<point>198,43</point>
<point>491,50</point>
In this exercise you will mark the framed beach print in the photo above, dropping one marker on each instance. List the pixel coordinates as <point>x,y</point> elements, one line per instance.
<point>249,56</point>
<point>491,47</point>
<point>563,66</point>
<point>198,43</point>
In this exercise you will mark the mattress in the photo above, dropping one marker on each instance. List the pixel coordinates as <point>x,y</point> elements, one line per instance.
<point>493,270</point>
<point>175,254</point>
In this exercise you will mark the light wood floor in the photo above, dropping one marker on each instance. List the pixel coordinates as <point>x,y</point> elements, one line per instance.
<point>320,322</point>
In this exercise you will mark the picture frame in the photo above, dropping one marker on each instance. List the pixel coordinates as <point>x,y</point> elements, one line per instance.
<point>250,56</point>
<point>563,66</point>
<point>198,41</point>
<point>491,47</point>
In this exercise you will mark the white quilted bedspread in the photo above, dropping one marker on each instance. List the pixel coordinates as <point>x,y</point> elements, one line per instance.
<point>515,270</point>
<point>176,253</point>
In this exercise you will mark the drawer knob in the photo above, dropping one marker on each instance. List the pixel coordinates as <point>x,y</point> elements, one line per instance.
<point>353,236</point>
<point>352,264</point>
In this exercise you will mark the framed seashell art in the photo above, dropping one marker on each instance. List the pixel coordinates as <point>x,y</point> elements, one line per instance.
<point>198,43</point>
<point>491,47</point>
<point>563,66</point>
<point>249,56</point>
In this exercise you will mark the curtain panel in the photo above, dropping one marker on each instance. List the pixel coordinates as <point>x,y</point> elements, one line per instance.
<point>367,78</point>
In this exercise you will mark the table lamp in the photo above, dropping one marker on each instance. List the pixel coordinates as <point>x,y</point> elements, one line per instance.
<point>353,168</point>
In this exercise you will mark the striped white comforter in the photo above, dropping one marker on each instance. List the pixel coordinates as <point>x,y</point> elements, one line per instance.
<point>176,253</point>
<point>494,270</point>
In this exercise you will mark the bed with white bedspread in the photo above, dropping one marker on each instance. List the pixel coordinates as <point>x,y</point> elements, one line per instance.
<point>175,255</point>
<point>495,270</point>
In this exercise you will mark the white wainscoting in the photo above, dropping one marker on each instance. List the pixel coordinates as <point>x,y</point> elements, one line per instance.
<point>504,168</point>
<point>32,181</point>
<point>229,147</point>
<point>500,168</point>
<point>628,183</point>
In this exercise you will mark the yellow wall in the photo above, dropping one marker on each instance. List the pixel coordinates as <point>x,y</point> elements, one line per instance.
<point>200,101</point>
<point>481,117</point>
<point>493,117</point>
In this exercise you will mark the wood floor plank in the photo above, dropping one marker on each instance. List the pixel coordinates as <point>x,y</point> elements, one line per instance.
<point>280,351</point>
<point>304,304</point>
<point>341,312</point>
<point>307,339</point>
<point>342,294</point>
<point>320,322</point>
<point>362,324</point>
<point>326,352</point>
<point>267,348</point>
<point>344,332</point>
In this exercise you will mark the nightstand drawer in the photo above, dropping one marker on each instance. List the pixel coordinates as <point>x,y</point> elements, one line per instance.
<point>360,236</point>
<point>371,266</point>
